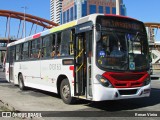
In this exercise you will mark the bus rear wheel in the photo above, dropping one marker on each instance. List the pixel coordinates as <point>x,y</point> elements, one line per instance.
<point>21,82</point>
<point>65,92</point>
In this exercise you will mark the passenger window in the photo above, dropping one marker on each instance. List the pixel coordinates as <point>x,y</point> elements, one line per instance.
<point>53,47</point>
<point>25,51</point>
<point>65,43</point>
<point>18,53</point>
<point>58,44</point>
<point>35,49</point>
<point>48,46</point>
<point>12,53</point>
<point>71,45</point>
<point>66,47</point>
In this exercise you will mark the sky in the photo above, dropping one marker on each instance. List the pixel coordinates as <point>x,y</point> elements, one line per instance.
<point>39,8</point>
<point>144,10</point>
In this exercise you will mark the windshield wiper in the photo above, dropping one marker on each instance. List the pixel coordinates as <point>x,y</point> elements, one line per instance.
<point>115,36</point>
<point>137,34</point>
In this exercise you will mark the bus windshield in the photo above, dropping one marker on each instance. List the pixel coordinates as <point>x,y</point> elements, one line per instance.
<point>122,50</point>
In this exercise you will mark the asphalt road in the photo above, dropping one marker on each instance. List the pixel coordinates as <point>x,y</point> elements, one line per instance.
<point>36,100</point>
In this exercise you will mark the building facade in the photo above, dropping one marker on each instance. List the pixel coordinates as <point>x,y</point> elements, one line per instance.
<point>55,10</point>
<point>74,9</point>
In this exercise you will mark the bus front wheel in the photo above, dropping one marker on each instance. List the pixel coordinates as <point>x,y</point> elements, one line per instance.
<point>21,82</point>
<point>65,92</point>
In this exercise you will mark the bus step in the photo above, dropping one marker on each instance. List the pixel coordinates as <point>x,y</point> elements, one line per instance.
<point>11,81</point>
<point>82,97</point>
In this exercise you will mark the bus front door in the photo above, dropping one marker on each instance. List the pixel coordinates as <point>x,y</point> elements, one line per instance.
<point>11,64</point>
<point>81,71</point>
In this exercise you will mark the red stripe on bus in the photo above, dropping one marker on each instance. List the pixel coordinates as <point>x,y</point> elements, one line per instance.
<point>37,35</point>
<point>120,16</point>
<point>72,68</point>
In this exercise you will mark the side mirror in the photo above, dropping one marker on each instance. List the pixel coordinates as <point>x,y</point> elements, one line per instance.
<point>98,35</point>
<point>150,57</point>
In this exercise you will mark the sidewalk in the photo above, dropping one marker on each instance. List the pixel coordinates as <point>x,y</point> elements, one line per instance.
<point>155,75</point>
<point>2,75</point>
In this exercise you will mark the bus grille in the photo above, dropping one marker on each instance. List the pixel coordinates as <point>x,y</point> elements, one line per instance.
<point>128,92</point>
<point>128,77</point>
<point>126,80</point>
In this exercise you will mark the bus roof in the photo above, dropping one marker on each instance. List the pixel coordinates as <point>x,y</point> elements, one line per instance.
<point>65,26</point>
<point>120,16</point>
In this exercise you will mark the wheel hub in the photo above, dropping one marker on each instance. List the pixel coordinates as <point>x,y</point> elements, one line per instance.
<point>65,91</point>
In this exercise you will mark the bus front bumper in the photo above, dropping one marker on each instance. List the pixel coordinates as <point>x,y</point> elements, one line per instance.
<point>102,93</point>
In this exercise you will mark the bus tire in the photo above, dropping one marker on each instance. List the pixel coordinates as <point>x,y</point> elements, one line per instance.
<point>65,92</point>
<point>21,82</point>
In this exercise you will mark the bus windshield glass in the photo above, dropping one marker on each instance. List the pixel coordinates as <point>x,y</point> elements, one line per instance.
<point>122,48</point>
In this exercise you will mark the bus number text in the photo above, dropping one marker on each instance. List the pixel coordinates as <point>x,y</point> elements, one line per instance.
<point>54,66</point>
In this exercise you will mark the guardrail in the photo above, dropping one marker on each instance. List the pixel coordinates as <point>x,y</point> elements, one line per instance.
<point>3,48</point>
<point>156,66</point>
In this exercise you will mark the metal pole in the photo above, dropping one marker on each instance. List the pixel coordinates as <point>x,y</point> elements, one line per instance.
<point>24,20</point>
<point>117,7</point>
<point>9,30</point>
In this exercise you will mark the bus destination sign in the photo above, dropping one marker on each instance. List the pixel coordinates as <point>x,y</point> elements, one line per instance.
<point>121,23</point>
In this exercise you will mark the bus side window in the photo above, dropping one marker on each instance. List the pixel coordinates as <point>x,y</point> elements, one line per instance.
<point>53,47</point>
<point>58,44</point>
<point>12,54</point>
<point>32,49</point>
<point>71,45</point>
<point>35,49</point>
<point>67,43</point>
<point>18,53</point>
<point>38,48</point>
<point>44,42</point>
<point>25,50</point>
<point>47,45</point>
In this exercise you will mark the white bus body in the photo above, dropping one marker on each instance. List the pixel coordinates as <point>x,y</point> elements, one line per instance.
<point>48,73</point>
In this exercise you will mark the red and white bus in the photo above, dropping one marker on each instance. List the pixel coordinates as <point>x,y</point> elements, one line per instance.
<point>98,57</point>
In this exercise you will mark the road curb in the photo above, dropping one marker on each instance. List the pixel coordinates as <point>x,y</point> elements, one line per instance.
<point>8,106</point>
<point>12,109</point>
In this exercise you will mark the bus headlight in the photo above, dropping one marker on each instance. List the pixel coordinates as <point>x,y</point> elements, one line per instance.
<point>147,81</point>
<point>104,81</point>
